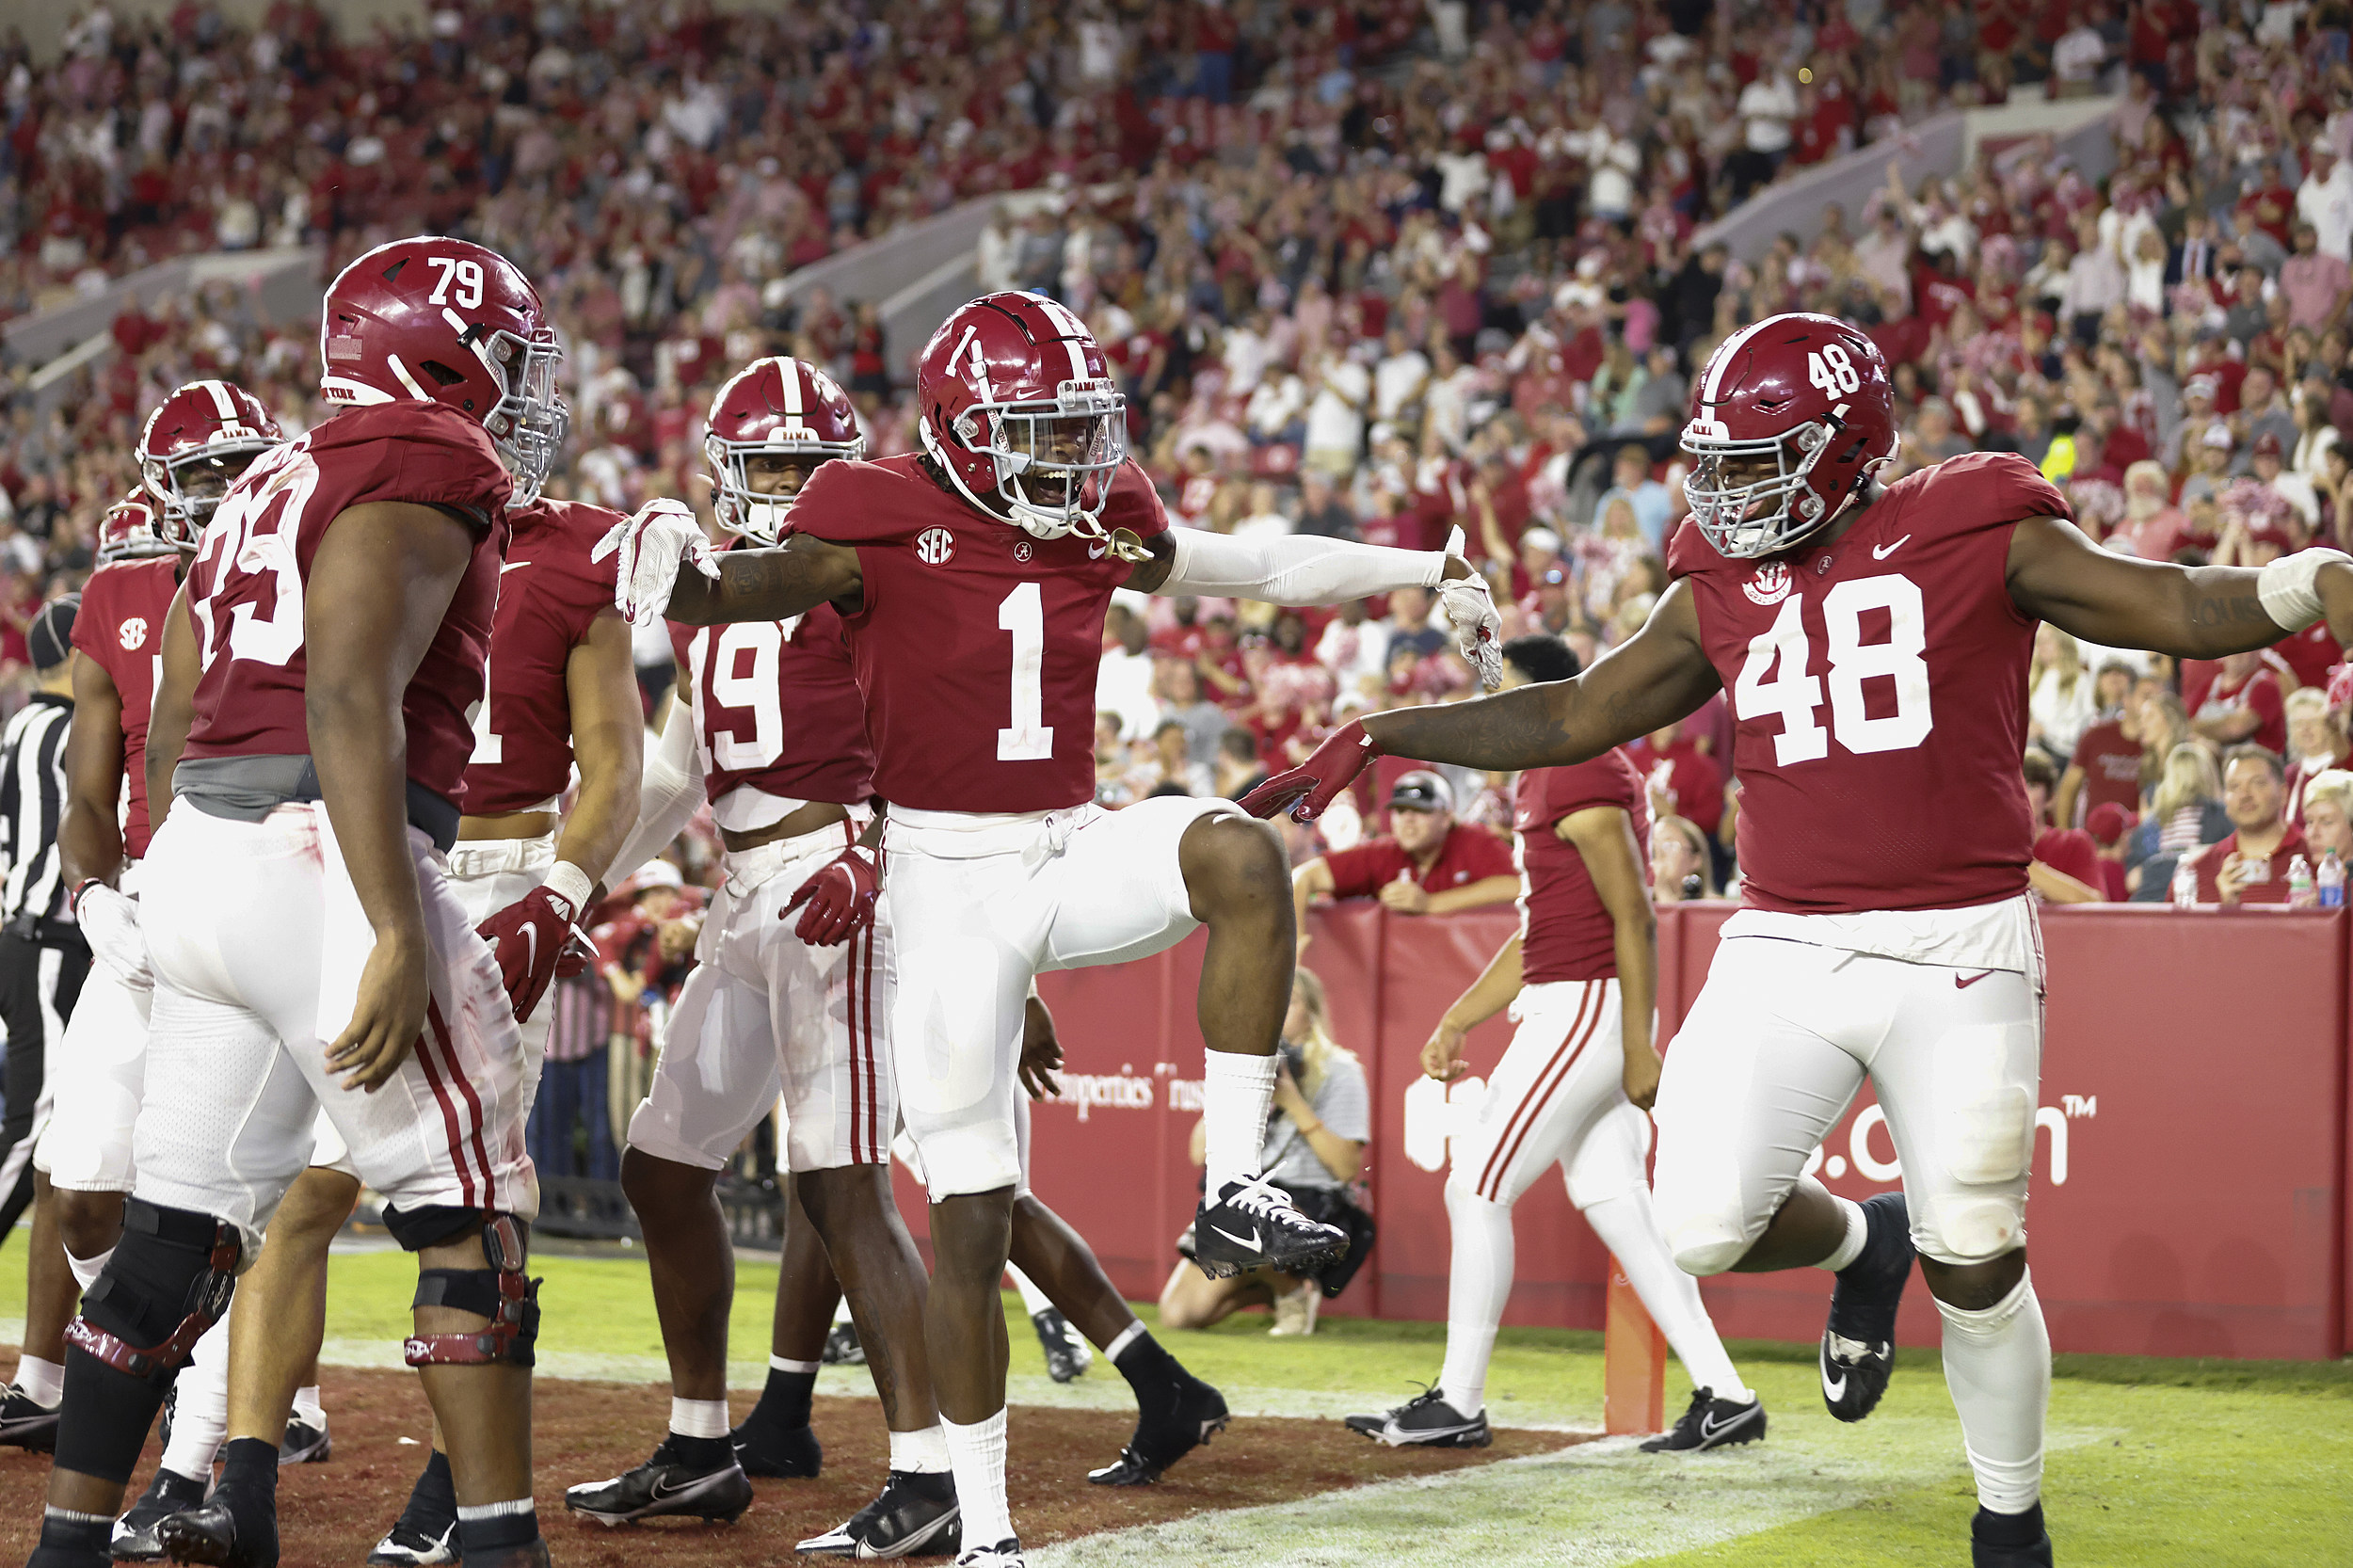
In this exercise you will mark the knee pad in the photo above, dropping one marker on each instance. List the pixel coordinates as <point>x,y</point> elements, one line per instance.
<point>501,1292</point>
<point>169,1281</point>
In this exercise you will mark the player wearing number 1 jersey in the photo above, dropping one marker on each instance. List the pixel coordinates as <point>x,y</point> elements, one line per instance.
<point>312,727</point>
<point>972,581</point>
<point>1875,643</point>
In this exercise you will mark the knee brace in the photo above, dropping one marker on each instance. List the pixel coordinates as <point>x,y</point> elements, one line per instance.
<point>169,1281</point>
<point>501,1292</point>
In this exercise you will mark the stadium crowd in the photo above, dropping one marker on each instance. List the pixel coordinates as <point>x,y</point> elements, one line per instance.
<point>1379,270</point>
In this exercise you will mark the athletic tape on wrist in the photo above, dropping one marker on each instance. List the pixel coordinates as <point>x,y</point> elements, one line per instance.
<point>569,882</point>
<point>2285,586</point>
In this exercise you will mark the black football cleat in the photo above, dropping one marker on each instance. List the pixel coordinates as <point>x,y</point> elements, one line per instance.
<point>306,1444</point>
<point>1190,1416</point>
<point>842,1347</point>
<point>768,1451</point>
<point>1068,1353</point>
<point>1254,1225</point>
<point>236,1529</point>
<point>2008,1540</point>
<point>1710,1423</point>
<point>1425,1421</point>
<point>166,1494</point>
<point>26,1425</point>
<point>914,1515</point>
<point>1859,1346</point>
<point>666,1487</point>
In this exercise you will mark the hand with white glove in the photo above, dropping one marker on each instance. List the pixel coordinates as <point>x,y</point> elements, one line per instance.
<point>650,544</point>
<point>110,924</point>
<point>1470,610</point>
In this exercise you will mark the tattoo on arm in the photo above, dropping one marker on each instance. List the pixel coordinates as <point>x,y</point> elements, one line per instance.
<point>2231,610</point>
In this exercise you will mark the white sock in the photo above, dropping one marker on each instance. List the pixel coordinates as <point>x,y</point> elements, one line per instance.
<point>87,1270</point>
<point>200,1421</point>
<point>475,1512</point>
<point>1858,1232</point>
<point>1479,1282</point>
<point>1033,1299</point>
<point>1627,1227</point>
<point>1120,1341</point>
<point>1235,1092</point>
<point>41,1382</point>
<point>698,1417</point>
<point>306,1404</point>
<point>920,1453</point>
<point>977,1454</point>
<point>782,1364</point>
<point>841,1310</point>
<point>1997,1363</point>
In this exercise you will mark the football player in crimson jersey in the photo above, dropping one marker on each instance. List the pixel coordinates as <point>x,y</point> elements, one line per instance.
<point>972,581</point>
<point>312,727</point>
<point>1579,976</point>
<point>1875,642</point>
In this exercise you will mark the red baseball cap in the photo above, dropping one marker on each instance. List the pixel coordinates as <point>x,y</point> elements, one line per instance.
<point>2106,822</point>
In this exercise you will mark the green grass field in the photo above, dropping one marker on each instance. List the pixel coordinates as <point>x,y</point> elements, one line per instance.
<point>2154,1463</point>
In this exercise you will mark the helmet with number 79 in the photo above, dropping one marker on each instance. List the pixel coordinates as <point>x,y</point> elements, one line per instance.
<point>774,410</point>
<point>441,320</point>
<point>195,443</point>
<point>1015,402</point>
<point>1789,419</point>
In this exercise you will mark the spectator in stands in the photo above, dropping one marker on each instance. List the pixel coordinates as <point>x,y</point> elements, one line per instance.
<point>2251,864</point>
<point>1169,748</point>
<point>2318,287</point>
<point>2062,700</point>
<point>1122,685</point>
<point>1180,700</point>
<point>1238,769</point>
<point>1678,861</point>
<point>1683,779</point>
<point>2105,768</point>
<point>2186,810</point>
<point>2325,199</point>
<point>572,1125</point>
<point>1428,864</point>
<point>1932,438</point>
<point>1630,482</point>
<point>2242,704</point>
<point>1315,1148</point>
<point>2329,815</point>
<point>2316,743</point>
<point>2066,866</point>
<point>1768,106</point>
<point>2108,825</point>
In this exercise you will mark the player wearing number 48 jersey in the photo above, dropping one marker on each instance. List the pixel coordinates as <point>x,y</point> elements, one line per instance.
<point>1875,643</point>
<point>972,581</point>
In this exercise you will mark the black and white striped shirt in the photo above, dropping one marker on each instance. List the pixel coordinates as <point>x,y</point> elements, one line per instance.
<point>32,802</point>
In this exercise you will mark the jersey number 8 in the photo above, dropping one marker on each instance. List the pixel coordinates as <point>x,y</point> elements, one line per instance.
<point>1795,693</point>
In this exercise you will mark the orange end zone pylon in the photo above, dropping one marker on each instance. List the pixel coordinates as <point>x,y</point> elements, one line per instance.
<point>1634,1362</point>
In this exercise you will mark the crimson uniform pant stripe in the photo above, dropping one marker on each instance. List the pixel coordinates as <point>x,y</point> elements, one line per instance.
<point>1495,1155</point>
<point>449,1120</point>
<point>1556,1073</point>
<point>465,1087</point>
<point>858,1105</point>
<point>877,1135</point>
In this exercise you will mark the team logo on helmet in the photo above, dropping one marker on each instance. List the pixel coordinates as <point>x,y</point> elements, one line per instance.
<point>132,633</point>
<point>1769,585</point>
<point>933,546</point>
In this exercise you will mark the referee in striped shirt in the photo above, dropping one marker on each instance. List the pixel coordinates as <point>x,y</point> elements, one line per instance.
<point>42,956</point>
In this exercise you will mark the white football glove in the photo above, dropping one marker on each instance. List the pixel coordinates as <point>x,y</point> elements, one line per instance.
<point>110,924</point>
<point>1470,610</point>
<point>651,544</point>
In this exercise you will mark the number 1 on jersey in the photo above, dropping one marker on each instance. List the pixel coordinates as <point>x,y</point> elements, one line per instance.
<point>1029,738</point>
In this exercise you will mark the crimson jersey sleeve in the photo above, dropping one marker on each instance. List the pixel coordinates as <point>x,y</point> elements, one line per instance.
<point>1566,931</point>
<point>975,645</point>
<point>246,588</point>
<point>1878,695</point>
<point>549,594</point>
<point>1358,872</point>
<point>120,630</point>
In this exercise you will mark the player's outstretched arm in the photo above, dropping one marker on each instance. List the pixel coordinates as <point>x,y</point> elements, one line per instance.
<point>89,837</point>
<point>1659,673</point>
<point>174,710</point>
<point>2057,574</point>
<point>770,584</point>
<point>379,586</point>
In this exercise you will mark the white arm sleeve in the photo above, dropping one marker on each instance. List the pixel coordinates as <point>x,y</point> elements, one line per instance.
<point>668,791</point>
<point>1299,570</point>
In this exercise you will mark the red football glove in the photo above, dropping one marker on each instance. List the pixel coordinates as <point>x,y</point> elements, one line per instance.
<point>1308,788</point>
<point>529,936</point>
<point>841,899</point>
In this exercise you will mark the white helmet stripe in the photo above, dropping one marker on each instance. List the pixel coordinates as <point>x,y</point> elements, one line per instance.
<point>1724,358</point>
<point>221,404</point>
<point>788,371</point>
<point>1064,321</point>
<point>1077,359</point>
<point>406,381</point>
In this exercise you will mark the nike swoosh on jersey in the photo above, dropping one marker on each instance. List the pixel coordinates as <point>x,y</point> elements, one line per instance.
<point>1880,552</point>
<point>512,566</point>
<point>1095,552</point>
<point>1251,1241</point>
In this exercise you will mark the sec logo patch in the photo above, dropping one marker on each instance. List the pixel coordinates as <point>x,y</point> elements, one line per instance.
<point>935,547</point>
<point>1770,585</point>
<point>132,633</point>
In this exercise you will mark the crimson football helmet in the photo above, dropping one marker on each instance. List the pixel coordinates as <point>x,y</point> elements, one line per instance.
<point>779,408</point>
<point>444,320</point>
<point>128,531</point>
<point>1013,400</point>
<point>194,445</point>
<point>1807,391</point>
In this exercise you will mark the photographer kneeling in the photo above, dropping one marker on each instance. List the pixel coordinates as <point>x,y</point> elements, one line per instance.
<point>1315,1146</point>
